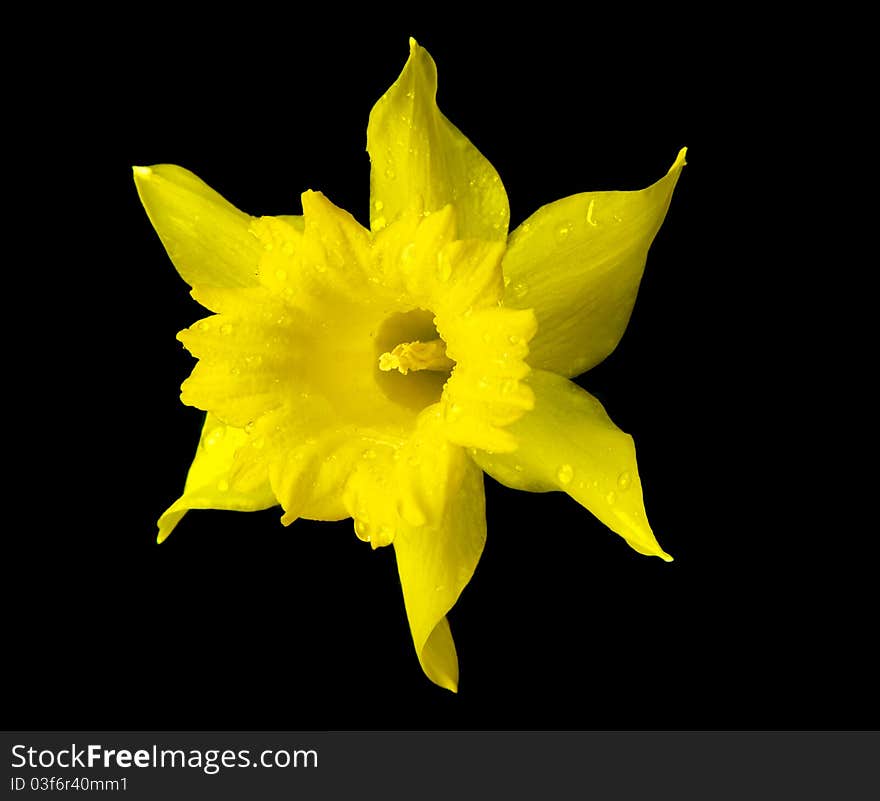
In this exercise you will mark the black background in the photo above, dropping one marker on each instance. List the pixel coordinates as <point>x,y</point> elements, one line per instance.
<point>235,622</point>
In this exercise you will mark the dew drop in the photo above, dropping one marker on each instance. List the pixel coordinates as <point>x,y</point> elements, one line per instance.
<point>611,497</point>
<point>565,474</point>
<point>379,223</point>
<point>362,530</point>
<point>624,481</point>
<point>518,468</point>
<point>287,248</point>
<point>563,231</point>
<point>268,247</point>
<point>214,436</point>
<point>386,535</point>
<point>513,339</point>
<point>453,412</point>
<point>249,427</point>
<point>390,174</point>
<point>519,290</point>
<point>378,205</point>
<point>369,454</point>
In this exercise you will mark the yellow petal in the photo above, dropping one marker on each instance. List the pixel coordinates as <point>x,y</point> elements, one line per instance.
<point>569,443</point>
<point>209,483</point>
<point>418,156</point>
<point>206,237</point>
<point>578,263</point>
<point>435,563</point>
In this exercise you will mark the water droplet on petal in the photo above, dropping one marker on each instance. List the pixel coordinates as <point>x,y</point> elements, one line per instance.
<point>519,290</point>
<point>214,436</point>
<point>453,412</point>
<point>362,530</point>
<point>565,474</point>
<point>369,454</point>
<point>385,536</point>
<point>611,497</point>
<point>563,231</point>
<point>378,205</point>
<point>624,481</point>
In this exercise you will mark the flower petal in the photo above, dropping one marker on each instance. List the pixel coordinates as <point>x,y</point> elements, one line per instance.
<point>206,237</point>
<point>435,563</point>
<point>416,154</point>
<point>569,443</point>
<point>578,263</point>
<point>210,484</point>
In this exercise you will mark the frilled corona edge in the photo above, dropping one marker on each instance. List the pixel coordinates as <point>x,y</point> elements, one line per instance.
<point>376,373</point>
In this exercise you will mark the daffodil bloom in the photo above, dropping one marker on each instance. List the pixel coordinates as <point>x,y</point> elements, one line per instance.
<point>376,373</point>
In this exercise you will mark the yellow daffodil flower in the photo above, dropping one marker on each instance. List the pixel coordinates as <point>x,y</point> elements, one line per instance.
<point>375,374</point>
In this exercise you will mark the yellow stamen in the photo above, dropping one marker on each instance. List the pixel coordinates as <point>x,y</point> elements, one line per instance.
<point>417,356</point>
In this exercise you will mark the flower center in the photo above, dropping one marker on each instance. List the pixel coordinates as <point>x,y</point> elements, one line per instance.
<point>417,356</point>
<point>411,362</point>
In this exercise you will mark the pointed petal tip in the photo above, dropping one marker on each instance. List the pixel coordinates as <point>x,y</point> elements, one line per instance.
<point>413,44</point>
<point>162,536</point>
<point>144,173</point>
<point>446,682</point>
